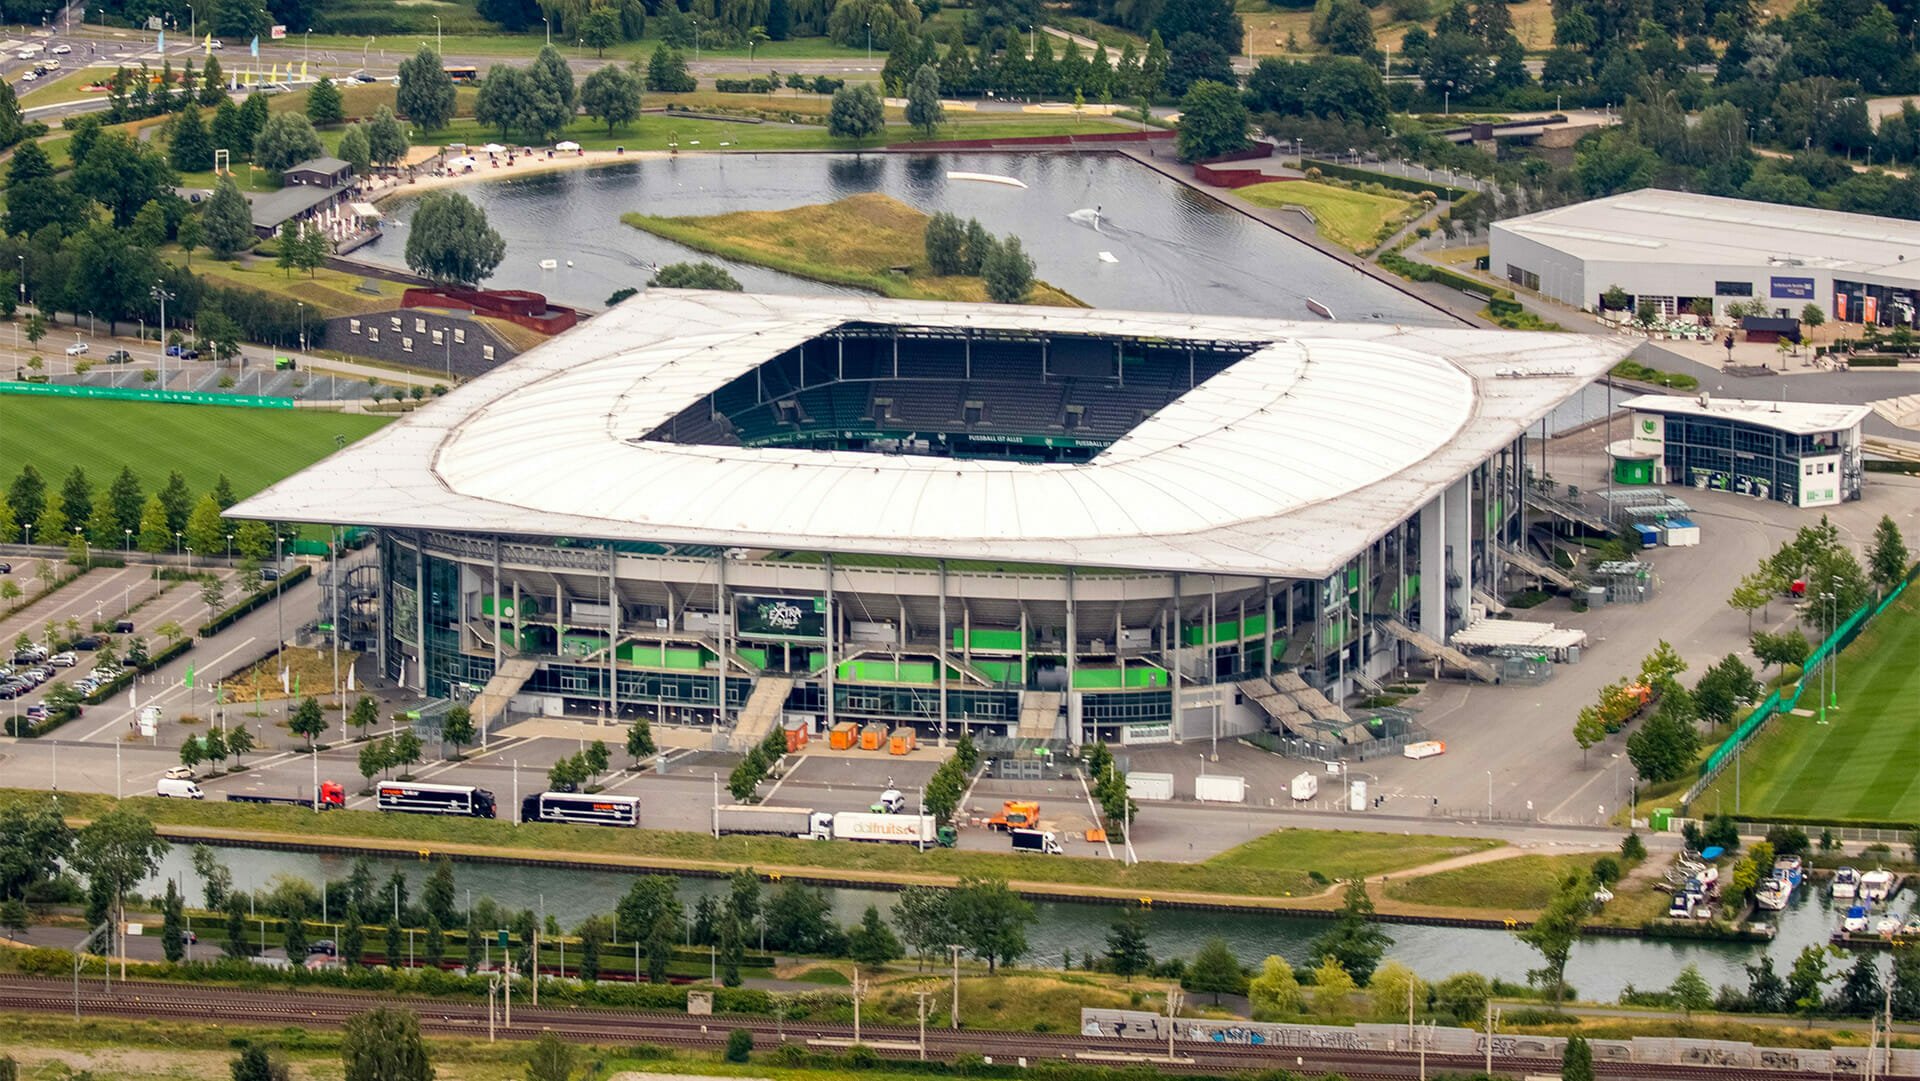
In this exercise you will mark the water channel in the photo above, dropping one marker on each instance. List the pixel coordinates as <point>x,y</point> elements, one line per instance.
<point>1174,249</point>
<point>1600,968</point>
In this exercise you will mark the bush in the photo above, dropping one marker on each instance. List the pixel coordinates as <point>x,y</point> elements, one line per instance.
<point>1632,848</point>
<point>1872,360</point>
<point>1606,870</point>
<point>230,616</point>
<point>739,1045</point>
<point>743,86</point>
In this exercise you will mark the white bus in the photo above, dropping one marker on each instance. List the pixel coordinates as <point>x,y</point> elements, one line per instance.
<point>579,807</point>
<point>436,799</point>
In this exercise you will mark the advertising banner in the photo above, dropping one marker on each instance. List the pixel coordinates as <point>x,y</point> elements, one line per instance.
<point>279,32</point>
<point>1792,288</point>
<point>142,394</point>
<point>784,618</point>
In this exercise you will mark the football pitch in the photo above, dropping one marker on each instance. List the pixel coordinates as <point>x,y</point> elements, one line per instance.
<point>253,447</point>
<point>1859,766</point>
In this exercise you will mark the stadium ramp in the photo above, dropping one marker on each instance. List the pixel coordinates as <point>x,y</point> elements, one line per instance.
<point>1039,714</point>
<point>1428,647</point>
<point>1536,566</point>
<point>491,704</point>
<point>761,712</point>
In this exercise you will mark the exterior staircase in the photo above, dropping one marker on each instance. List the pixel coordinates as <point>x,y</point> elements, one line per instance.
<point>762,711</point>
<point>1537,567</point>
<point>491,704</point>
<point>1039,714</point>
<point>1425,646</point>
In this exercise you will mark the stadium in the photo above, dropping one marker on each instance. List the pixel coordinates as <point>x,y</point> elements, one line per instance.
<point>1033,523</point>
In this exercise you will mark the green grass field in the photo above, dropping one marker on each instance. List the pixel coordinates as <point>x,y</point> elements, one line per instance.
<point>1858,766</point>
<point>253,447</point>
<point>1351,219</point>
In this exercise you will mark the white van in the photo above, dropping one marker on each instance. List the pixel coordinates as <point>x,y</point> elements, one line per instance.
<point>177,788</point>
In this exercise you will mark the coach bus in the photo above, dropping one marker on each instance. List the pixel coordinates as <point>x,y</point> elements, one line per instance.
<point>463,73</point>
<point>580,807</point>
<point>436,799</point>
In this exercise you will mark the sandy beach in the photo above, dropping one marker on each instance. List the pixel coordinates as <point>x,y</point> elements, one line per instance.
<point>498,168</point>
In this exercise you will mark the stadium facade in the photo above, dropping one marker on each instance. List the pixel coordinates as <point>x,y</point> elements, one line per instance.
<point>744,509</point>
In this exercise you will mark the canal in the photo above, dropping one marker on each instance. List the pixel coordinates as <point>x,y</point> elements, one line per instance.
<point>1172,249</point>
<point>1600,968</point>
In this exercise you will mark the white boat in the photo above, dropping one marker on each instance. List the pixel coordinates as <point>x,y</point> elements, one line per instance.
<point>549,264</point>
<point>1855,920</point>
<point>1773,895</point>
<point>1911,928</point>
<point>1887,926</point>
<point>1319,309</point>
<point>1788,869</point>
<point>1876,886</point>
<point>988,178</point>
<point>1846,882</point>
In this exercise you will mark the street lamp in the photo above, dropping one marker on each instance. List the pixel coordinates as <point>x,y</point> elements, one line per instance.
<point>1489,793</point>
<point>129,534</point>
<point>176,542</point>
<point>869,41</point>
<point>549,23</point>
<point>229,548</point>
<point>438,46</point>
<point>301,306</point>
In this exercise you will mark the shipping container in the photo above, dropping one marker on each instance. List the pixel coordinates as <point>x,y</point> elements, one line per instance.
<point>903,741</point>
<point>873,737</point>
<point>1426,748</point>
<point>844,737</point>
<point>1214,788</point>
<point>1150,786</point>
<point>798,733</point>
<point>1305,786</point>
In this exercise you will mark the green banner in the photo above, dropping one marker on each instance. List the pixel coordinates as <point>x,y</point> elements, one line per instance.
<point>141,394</point>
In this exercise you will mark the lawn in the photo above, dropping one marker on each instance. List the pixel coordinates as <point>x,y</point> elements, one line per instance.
<point>64,88</point>
<point>327,292</point>
<point>1274,869</point>
<point>1858,766</point>
<point>854,241</point>
<point>1523,882</point>
<point>253,447</point>
<point>524,46</point>
<point>1355,220</point>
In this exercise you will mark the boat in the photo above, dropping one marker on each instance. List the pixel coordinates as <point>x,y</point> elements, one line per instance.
<point>988,178</point>
<point>1846,882</point>
<point>549,264</point>
<point>1789,870</point>
<point>1682,906</point>
<point>1855,921</point>
<point>1773,894</point>
<point>1887,926</point>
<point>1911,928</point>
<point>1876,886</point>
<point>1319,309</point>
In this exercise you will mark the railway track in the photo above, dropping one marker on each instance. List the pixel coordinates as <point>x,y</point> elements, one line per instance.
<point>599,1025</point>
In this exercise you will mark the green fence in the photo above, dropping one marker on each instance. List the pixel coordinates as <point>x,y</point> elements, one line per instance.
<point>1777,703</point>
<point>143,394</point>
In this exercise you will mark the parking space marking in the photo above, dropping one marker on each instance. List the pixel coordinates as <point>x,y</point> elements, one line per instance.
<point>173,686</point>
<point>799,760</point>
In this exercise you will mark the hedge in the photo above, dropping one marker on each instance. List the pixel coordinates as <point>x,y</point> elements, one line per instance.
<point>1873,360</point>
<point>124,679</point>
<point>227,618</point>
<point>1385,180</point>
<point>755,85</point>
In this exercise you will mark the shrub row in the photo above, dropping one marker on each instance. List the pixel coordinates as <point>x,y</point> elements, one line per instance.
<point>1385,180</point>
<point>125,678</point>
<point>756,85</point>
<point>1873,360</point>
<point>227,618</point>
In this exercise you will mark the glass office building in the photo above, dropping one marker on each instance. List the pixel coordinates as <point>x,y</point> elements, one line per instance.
<point>1803,453</point>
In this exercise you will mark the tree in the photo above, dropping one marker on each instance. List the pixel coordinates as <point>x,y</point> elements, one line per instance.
<point>1007,271</point>
<point>667,72</point>
<point>639,740</point>
<point>1462,996</point>
<point>1274,993</point>
<point>286,140</point>
<point>924,915</point>
<point>1333,988</point>
<point>437,895</point>
<point>173,934</point>
<point>189,146</point>
<point>1354,940</point>
<point>1887,559</point>
<point>645,902</point>
<point>1805,981</point>
<point>229,222</point>
<point>206,530</point>
<point>1576,1061</point>
<point>664,932</point>
<point>872,943</point>
<point>1785,648</point>
<point>384,1044</point>
<point>945,239</point>
<point>365,712</point>
<point>1214,970</point>
<point>924,110</point>
<point>1194,59</point>
<point>1213,122</point>
<point>450,240</point>
<point>404,750</point>
<point>372,759</point>
<point>1859,994</point>
<point>324,105</point>
<point>1904,998</point>
<point>256,1063</point>
<point>992,920</point>
<point>115,853</point>
<point>506,102</point>
<point>611,94</point>
<point>1690,991</point>
<point>1667,742</point>
<point>307,721</point>
<point>1589,728</point>
<point>856,113</point>
<point>353,937</point>
<point>1661,668</point>
<point>701,275</point>
<point>1554,932</point>
<point>1722,688</point>
<point>426,94</point>
<point>739,1046</point>
<point>34,839</point>
<point>386,142</point>
<point>355,150</point>
<point>1214,20</point>
<point>1127,953</point>
<point>457,728</point>
<point>28,495</point>
<point>1753,594</point>
<point>550,1058</point>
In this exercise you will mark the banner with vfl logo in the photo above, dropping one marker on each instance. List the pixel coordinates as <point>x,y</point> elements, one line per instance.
<point>779,617</point>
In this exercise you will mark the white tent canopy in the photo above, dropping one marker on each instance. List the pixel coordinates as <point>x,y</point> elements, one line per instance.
<point>566,144</point>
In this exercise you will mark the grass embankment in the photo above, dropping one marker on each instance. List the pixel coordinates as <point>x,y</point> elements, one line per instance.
<point>854,241</point>
<point>70,86</point>
<point>330,293</point>
<point>1869,741</point>
<point>1274,870</point>
<point>253,447</point>
<point>1633,369</point>
<point>1355,220</point>
<point>1523,882</point>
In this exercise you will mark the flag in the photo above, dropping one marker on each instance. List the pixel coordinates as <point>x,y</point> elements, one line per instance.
<point>349,677</point>
<point>189,678</point>
<point>296,684</point>
<point>207,46</point>
<point>285,686</point>
<point>162,44</point>
<point>131,704</point>
<point>254,49</point>
<point>303,71</point>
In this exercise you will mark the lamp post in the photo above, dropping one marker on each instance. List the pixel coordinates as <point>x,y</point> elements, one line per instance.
<point>229,548</point>
<point>438,44</point>
<point>1821,687</point>
<point>549,23</point>
<point>301,309</point>
<point>162,296</point>
<point>129,534</point>
<point>1489,793</point>
<point>176,542</point>
<point>869,41</point>
<point>1833,658</point>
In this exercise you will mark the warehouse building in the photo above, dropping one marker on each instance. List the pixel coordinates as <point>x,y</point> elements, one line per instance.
<point>1673,248</point>
<point>1037,522</point>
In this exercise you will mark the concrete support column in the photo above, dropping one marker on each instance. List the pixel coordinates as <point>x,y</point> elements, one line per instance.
<point>831,628</point>
<point>1175,648</point>
<point>1073,632</point>
<point>726,621</point>
<point>419,602</point>
<point>613,642</point>
<point>940,654</point>
<point>1433,569</point>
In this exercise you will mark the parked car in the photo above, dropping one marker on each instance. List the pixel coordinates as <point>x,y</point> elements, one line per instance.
<point>62,50</point>
<point>6,568</point>
<point>324,946</point>
<point>77,349</point>
<point>269,574</point>
<point>89,642</point>
<point>65,659</point>
<point>119,356</point>
<point>178,773</point>
<point>29,77</point>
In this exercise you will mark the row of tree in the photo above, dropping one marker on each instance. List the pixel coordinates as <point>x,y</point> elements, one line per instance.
<point>125,515</point>
<point>956,248</point>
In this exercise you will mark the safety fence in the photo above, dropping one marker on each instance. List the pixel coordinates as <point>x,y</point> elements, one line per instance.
<point>1786,700</point>
<point>140,394</point>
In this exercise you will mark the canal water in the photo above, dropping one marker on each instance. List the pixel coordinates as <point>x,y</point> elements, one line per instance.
<point>1172,249</point>
<point>1600,968</point>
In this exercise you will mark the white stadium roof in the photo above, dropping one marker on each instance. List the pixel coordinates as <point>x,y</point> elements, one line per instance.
<point>1657,226</point>
<point>1285,464</point>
